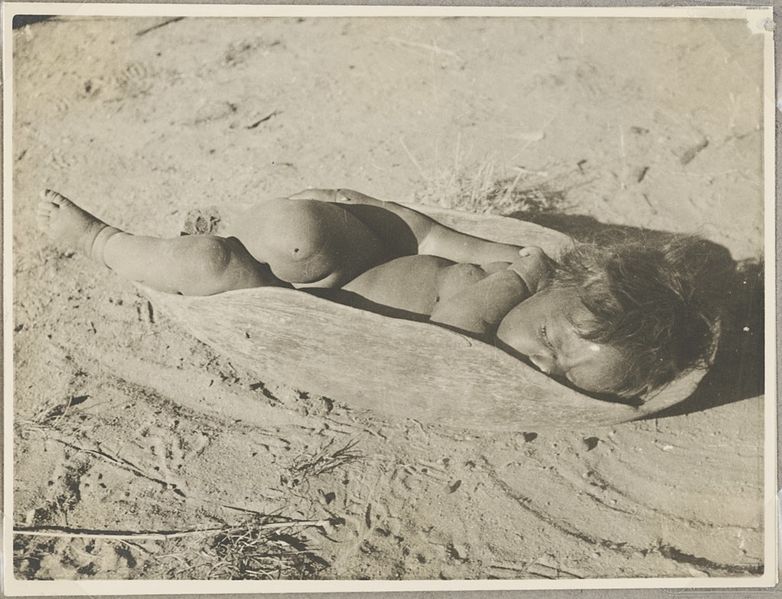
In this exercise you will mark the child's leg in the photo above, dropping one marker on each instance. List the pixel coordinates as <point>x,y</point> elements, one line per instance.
<point>190,265</point>
<point>310,242</point>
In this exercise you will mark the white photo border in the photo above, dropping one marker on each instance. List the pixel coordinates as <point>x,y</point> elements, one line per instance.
<point>759,18</point>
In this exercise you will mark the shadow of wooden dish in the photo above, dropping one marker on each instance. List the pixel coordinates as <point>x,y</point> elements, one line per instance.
<point>402,368</point>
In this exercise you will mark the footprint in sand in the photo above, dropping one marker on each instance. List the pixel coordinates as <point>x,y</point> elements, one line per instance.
<point>212,111</point>
<point>133,79</point>
<point>135,75</point>
<point>61,104</point>
<point>170,452</point>
<point>63,160</point>
<point>407,478</point>
<point>237,52</point>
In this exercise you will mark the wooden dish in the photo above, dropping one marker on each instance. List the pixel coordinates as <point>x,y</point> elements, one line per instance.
<point>402,368</point>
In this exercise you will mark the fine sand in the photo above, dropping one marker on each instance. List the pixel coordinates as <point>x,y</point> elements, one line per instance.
<point>125,423</point>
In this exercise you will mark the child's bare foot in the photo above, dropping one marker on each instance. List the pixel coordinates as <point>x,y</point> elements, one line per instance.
<point>66,223</point>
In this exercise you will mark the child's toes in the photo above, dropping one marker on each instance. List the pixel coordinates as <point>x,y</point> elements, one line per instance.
<point>55,198</point>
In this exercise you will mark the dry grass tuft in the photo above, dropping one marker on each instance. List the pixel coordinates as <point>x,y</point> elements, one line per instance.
<point>484,190</point>
<point>487,187</point>
<point>326,459</point>
<point>261,548</point>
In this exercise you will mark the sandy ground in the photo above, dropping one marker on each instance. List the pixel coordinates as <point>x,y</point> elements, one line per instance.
<point>124,422</point>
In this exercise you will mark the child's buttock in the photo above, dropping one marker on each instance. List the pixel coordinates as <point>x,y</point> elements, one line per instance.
<point>414,283</point>
<point>308,242</point>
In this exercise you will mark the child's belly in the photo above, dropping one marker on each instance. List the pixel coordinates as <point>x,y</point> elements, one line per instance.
<point>413,283</point>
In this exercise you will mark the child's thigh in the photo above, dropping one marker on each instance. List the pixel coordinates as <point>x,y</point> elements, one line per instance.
<point>309,241</point>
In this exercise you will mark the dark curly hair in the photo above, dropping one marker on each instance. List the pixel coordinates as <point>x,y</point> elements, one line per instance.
<point>658,301</point>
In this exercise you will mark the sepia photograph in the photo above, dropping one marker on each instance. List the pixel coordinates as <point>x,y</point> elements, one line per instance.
<point>418,298</point>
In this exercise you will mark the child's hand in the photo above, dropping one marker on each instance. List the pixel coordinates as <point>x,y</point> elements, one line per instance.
<point>534,267</point>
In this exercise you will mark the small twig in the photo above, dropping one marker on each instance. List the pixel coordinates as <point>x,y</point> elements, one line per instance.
<point>159,25</point>
<point>690,154</point>
<point>430,47</point>
<point>62,411</point>
<point>412,159</point>
<point>262,120</point>
<point>507,195</point>
<point>649,202</point>
<point>135,546</point>
<point>119,536</point>
<point>512,567</point>
<point>52,531</point>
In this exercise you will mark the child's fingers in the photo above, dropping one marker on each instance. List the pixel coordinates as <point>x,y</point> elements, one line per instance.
<point>537,254</point>
<point>534,266</point>
<point>532,251</point>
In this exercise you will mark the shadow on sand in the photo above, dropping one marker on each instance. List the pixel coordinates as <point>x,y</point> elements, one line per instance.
<point>738,369</point>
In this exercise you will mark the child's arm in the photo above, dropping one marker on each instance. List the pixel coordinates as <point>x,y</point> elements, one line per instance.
<point>479,308</point>
<point>431,237</point>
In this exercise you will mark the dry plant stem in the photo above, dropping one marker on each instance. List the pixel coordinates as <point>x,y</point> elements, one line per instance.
<point>158,536</point>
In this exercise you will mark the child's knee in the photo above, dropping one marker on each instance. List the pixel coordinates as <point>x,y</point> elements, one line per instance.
<point>306,229</point>
<point>197,265</point>
<point>205,255</point>
<point>281,229</point>
<point>225,265</point>
<point>303,241</point>
<point>309,241</point>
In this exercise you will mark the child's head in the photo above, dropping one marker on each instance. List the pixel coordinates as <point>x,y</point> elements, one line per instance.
<point>624,318</point>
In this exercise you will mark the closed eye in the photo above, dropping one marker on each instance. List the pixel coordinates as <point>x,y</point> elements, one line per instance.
<point>543,334</point>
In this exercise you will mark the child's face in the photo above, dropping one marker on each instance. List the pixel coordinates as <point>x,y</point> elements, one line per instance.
<point>541,328</point>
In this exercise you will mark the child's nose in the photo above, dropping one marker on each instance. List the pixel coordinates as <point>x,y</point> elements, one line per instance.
<point>545,362</point>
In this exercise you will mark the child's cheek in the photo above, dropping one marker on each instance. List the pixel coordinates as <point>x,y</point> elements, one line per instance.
<point>515,331</point>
